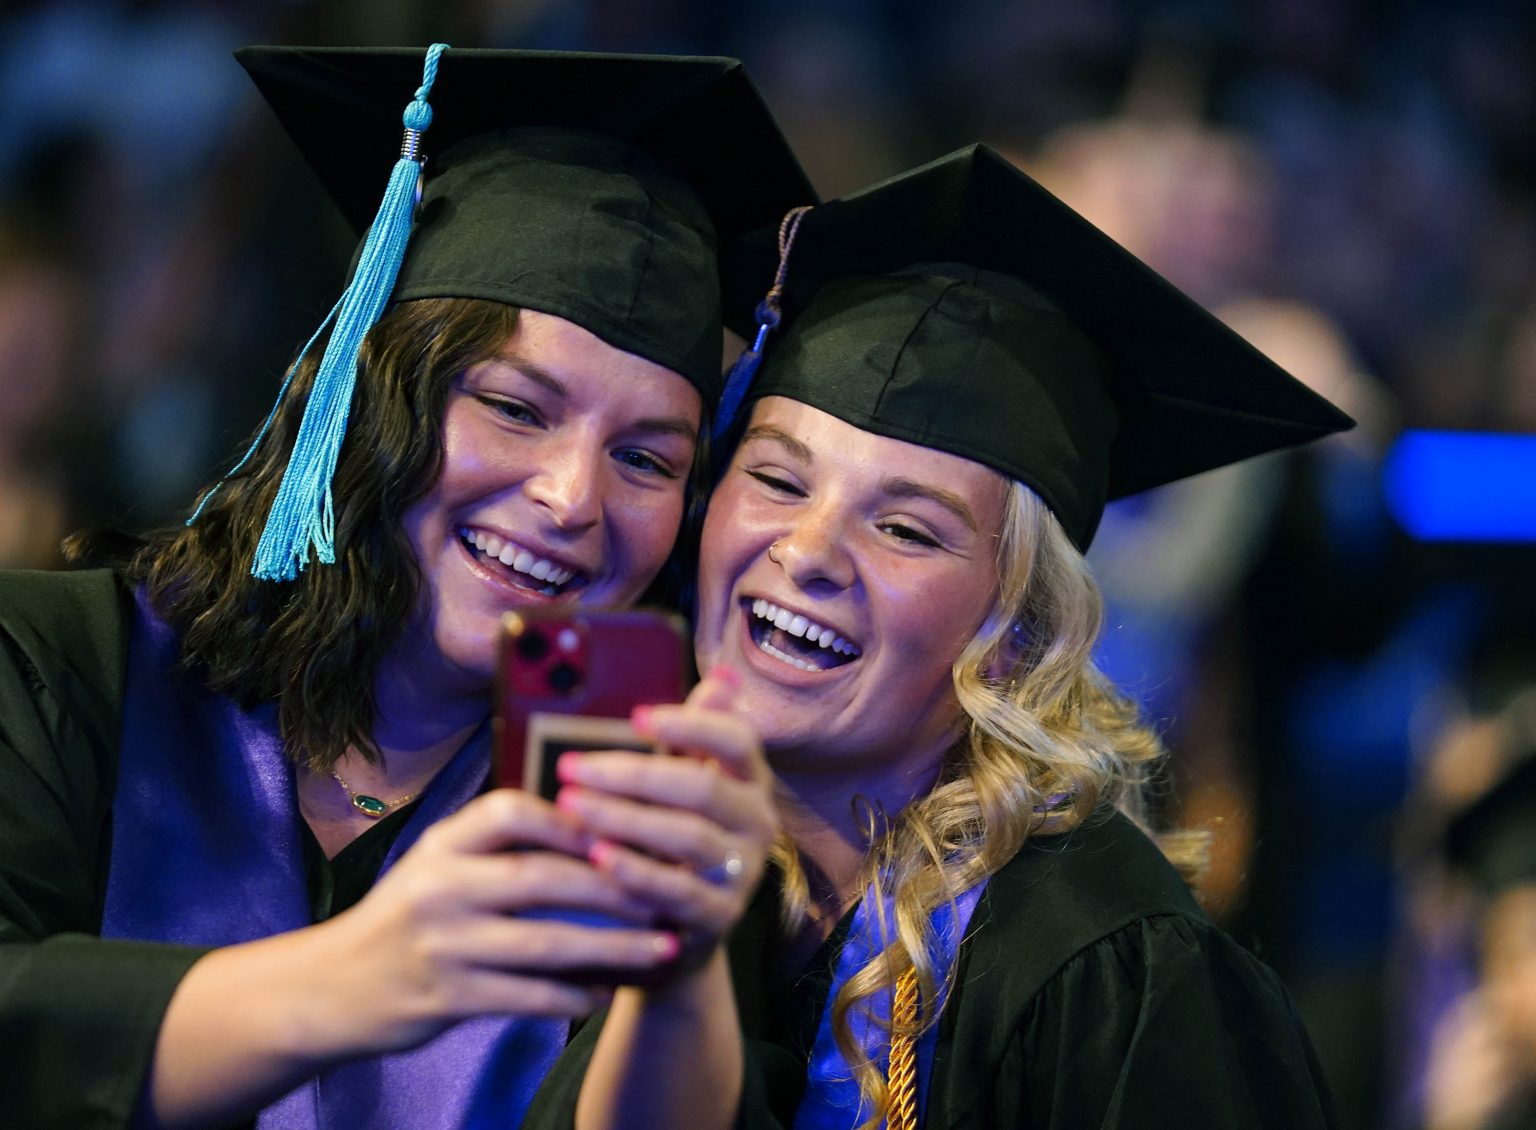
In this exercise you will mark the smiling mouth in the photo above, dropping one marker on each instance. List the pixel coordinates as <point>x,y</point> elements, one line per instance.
<point>521,566</point>
<point>796,639</point>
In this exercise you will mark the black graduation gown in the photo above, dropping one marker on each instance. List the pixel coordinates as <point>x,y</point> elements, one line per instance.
<point>1091,992</point>
<point>79,1014</point>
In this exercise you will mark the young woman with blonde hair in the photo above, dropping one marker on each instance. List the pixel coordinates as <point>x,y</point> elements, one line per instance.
<point>973,927</point>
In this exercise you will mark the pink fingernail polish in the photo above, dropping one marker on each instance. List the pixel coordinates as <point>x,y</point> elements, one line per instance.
<point>667,946</point>
<point>568,799</point>
<point>640,718</point>
<point>568,768</point>
<point>600,854</point>
<point>727,675</point>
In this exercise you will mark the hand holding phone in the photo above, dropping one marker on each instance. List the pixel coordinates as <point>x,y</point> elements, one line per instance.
<point>568,681</point>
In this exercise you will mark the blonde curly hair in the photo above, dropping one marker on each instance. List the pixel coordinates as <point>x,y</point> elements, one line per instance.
<point>1046,739</point>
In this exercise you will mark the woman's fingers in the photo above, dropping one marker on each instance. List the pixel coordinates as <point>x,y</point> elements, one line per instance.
<point>704,728</point>
<point>682,896</point>
<point>481,992</point>
<point>668,833</point>
<point>506,818</point>
<point>680,784</point>
<point>548,946</point>
<point>514,882</point>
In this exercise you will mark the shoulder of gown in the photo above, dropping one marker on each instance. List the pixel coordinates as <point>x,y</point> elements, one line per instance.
<point>78,1015</point>
<point>1093,992</point>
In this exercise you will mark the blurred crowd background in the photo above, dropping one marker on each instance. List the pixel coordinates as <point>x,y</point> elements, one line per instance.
<point>1352,185</point>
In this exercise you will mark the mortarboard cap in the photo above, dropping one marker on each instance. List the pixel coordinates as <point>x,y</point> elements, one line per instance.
<point>592,187</point>
<point>588,186</point>
<point>963,307</point>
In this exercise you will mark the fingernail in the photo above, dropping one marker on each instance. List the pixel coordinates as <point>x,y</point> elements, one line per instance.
<point>600,854</point>
<point>640,719</point>
<point>568,799</point>
<point>666,946</point>
<point>568,767</point>
<point>721,673</point>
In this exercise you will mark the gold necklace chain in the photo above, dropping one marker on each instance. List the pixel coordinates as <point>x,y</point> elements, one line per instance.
<point>369,805</point>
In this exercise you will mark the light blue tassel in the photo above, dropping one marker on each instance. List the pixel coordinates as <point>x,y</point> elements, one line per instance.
<point>739,380</point>
<point>303,514</point>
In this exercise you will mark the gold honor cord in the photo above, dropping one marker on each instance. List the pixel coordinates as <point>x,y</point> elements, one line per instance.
<point>901,1079</point>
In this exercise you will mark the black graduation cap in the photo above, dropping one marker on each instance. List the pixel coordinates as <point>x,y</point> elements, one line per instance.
<point>592,187</point>
<point>1493,839</point>
<point>963,307</point>
<point>588,186</point>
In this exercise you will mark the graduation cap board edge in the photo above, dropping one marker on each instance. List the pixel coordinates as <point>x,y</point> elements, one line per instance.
<point>1034,344</point>
<point>699,120</point>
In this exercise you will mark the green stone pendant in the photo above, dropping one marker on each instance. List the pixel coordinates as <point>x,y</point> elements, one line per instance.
<point>369,805</point>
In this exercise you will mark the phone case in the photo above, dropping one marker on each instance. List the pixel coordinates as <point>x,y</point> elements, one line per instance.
<point>569,679</point>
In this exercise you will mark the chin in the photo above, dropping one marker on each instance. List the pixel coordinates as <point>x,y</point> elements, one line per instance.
<point>470,655</point>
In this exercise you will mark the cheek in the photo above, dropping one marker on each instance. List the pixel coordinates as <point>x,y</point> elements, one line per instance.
<point>937,614</point>
<point>647,530</point>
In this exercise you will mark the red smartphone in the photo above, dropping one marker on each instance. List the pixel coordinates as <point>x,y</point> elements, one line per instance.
<point>569,679</point>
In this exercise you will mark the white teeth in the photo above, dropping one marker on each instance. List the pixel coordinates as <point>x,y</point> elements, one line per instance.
<point>798,625</point>
<point>793,661</point>
<point>518,559</point>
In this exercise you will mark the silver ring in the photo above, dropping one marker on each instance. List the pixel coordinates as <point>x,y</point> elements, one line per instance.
<point>728,870</point>
<point>771,557</point>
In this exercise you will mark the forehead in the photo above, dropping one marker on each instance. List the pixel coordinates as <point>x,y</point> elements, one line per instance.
<point>577,365</point>
<point>840,450</point>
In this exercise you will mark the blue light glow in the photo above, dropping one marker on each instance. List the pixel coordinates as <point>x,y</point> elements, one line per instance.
<point>1463,486</point>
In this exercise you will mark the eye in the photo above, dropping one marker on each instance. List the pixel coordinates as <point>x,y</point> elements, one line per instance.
<point>645,462</point>
<point>777,483</point>
<point>904,533</point>
<point>514,410</point>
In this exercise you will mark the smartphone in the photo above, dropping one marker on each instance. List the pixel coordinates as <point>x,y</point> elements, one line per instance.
<point>568,680</point>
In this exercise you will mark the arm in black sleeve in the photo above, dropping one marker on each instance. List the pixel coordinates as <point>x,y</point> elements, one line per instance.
<point>78,1015</point>
<point>1165,1023</point>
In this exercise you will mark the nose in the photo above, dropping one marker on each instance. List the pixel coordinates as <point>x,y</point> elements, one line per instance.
<point>814,553</point>
<point>568,485</point>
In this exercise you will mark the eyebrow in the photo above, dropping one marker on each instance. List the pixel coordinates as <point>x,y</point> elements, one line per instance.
<point>655,425</point>
<point>777,435</point>
<point>667,426</point>
<point>907,488</point>
<point>895,488</point>
<point>533,371</point>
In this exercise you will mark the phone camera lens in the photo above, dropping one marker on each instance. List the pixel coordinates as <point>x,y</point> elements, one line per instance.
<point>532,645</point>
<point>563,677</point>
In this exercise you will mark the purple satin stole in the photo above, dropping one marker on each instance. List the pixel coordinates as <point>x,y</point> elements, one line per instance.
<point>831,1100</point>
<point>206,851</point>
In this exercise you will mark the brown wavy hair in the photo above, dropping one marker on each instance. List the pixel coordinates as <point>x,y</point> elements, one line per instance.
<point>312,645</point>
<point>1046,739</point>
